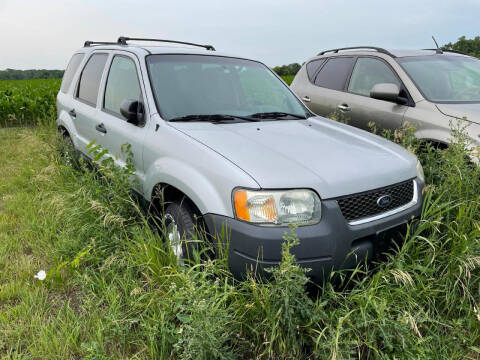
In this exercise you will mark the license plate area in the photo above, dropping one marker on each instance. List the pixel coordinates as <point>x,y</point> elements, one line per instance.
<point>390,238</point>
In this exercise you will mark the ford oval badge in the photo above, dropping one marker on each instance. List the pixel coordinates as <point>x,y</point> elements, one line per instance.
<point>384,201</point>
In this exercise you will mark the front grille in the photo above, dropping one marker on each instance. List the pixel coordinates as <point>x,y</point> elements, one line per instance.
<point>364,204</point>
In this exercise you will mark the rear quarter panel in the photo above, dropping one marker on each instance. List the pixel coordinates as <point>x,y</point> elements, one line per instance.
<point>323,101</point>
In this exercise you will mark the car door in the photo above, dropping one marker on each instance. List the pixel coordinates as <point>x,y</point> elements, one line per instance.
<point>85,110</point>
<point>123,83</point>
<point>362,109</point>
<point>325,91</point>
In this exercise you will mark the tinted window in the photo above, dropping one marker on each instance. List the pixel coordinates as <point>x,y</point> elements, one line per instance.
<point>70,71</point>
<point>122,84</point>
<point>90,78</point>
<point>334,73</point>
<point>204,85</point>
<point>312,68</point>
<point>369,72</point>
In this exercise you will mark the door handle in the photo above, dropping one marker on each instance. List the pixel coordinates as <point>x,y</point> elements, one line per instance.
<point>344,107</point>
<point>306,98</point>
<point>72,113</point>
<point>101,128</point>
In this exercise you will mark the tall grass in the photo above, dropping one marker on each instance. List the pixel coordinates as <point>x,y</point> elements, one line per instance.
<point>114,290</point>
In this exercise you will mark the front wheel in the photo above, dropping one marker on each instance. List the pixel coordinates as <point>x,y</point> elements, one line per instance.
<point>179,222</point>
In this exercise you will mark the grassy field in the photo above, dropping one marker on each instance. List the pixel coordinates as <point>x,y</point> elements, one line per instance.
<point>114,291</point>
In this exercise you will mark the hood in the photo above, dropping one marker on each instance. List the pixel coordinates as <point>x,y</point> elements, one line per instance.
<point>332,158</point>
<point>469,111</point>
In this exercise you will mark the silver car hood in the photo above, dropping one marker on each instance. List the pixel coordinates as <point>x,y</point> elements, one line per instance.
<point>332,158</point>
<point>469,111</point>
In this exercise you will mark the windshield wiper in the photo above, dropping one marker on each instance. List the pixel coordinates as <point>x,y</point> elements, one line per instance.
<point>275,115</point>
<point>212,118</point>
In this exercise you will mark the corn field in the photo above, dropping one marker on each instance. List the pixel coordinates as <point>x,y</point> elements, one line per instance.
<point>27,102</point>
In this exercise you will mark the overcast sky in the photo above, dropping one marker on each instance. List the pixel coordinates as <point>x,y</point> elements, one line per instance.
<point>44,33</point>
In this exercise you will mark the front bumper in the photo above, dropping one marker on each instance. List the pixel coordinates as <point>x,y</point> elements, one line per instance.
<point>330,244</point>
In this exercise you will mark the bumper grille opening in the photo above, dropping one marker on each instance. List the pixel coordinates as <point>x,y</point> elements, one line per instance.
<point>362,205</point>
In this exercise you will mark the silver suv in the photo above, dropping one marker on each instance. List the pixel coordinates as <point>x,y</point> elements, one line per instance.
<point>227,142</point>
<point>426,88</point>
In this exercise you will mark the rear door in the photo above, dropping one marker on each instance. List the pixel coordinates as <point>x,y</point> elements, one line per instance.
<point>362,109</point>
<point>85,106</point>
<point>325,91</point>
<point>123,82</point>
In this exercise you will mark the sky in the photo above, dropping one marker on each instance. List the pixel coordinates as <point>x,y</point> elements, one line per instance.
<point>43,34</point>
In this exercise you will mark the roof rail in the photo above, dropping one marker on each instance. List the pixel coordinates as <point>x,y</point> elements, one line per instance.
<point>122,40</point>
<point>452,51</point>
<point>380,50</point>
<point>90,43</point>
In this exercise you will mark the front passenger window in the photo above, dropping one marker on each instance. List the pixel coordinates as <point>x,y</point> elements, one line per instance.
<point>122,84</point>
<point>369,72</point>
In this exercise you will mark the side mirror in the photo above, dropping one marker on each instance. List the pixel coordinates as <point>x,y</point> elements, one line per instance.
<point>132,110</point>
<point>388,92</point>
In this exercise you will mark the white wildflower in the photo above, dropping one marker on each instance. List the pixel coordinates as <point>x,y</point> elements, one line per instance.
<point>41,275</point>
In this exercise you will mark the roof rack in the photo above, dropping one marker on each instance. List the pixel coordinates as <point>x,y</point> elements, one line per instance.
<point>452,51</point>
<point>122,40</point>
<point>380,50</point>
<point>90,43</point>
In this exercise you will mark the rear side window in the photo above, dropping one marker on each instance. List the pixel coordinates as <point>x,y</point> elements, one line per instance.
<point>90,79</point>
<point>312,68</point>
<point>70,71</point>
<point>122,84</point>
<point>369,72</point>
<point>335,72</point>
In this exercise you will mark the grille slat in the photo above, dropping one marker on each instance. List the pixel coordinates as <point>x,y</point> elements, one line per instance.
<point>364,204</point>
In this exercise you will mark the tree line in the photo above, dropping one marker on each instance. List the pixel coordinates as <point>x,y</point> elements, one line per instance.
<point>12,74</point>
<point>467,46</point>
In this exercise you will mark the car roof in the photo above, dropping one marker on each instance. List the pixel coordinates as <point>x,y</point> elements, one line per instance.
<point>398,53</point>
<point>144,50</point>
<point>424,52</point>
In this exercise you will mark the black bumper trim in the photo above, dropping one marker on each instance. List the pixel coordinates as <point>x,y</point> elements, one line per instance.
<point>275,262</point>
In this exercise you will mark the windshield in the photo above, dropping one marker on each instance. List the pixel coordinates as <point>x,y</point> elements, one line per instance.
<point>186,85</point>
<point>443,78</point>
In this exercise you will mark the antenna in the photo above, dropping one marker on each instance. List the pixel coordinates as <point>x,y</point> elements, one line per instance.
<point>438,50</point>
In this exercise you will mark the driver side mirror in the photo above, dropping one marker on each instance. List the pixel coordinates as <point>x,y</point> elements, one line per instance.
<point>388,92</point>
<point>132,110</point>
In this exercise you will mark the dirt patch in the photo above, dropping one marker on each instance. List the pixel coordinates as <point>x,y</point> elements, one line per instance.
<point>27,251</point>
<point>72,296</point>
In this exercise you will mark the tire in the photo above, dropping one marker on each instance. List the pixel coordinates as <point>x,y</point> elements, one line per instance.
<point>67,149</point>
<point>179,224</point>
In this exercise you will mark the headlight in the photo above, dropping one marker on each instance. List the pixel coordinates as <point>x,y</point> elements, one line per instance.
<point>420,173</point>
<point>277,207</point>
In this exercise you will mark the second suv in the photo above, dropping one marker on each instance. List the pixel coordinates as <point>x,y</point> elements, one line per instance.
<point>426,88</point>
<point>227,143</point>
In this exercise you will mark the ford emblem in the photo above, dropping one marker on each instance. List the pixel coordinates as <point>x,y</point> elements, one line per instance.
<point>384,201</point>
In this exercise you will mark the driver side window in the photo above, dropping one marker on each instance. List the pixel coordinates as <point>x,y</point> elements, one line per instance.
<point>122,84</point>
<point>369,72</point>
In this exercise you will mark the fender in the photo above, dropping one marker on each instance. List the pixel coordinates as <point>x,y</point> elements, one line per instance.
<point>189,181</point>
<point>436,135</point>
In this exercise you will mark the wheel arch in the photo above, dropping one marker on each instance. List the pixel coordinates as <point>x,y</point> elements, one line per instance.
<point>178,179</point>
